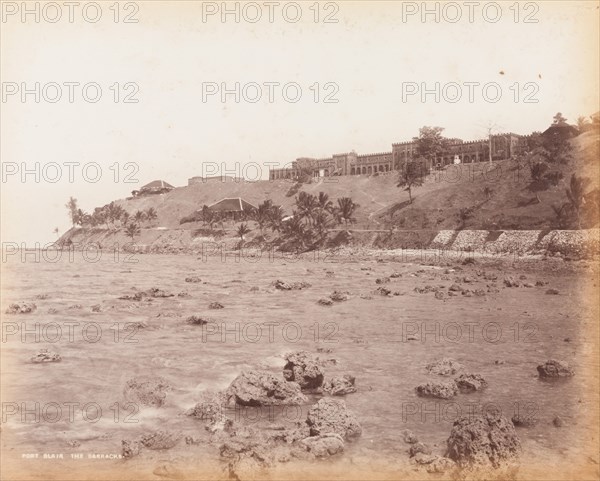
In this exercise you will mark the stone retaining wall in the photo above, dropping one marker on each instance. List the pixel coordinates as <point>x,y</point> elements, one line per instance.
<point>578,243</point>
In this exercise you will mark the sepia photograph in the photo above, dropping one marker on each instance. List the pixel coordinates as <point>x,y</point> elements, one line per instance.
<point>300,240</point>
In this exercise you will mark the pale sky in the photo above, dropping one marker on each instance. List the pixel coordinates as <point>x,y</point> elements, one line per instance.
<point>367,56</point>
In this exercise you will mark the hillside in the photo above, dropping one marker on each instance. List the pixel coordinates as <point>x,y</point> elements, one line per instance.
<point>500,196</point>
<point>372,193</point>
<point>512,204</point>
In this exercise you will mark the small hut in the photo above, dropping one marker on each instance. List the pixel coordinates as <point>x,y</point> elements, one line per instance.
<point>154,187</point>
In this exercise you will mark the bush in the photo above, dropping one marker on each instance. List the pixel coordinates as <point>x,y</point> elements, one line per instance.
<point>537,170</point>
<point>194,217</point>
<point>294,189</point>
<point>554,177</point>
<point>208,233</point>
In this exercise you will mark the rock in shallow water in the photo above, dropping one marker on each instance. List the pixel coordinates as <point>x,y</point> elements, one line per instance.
<point>340,385</point>
<point>129,448</point>
<point>419,448</point>
<point>261,388</point>
<point>208,408</point>
<point>441,390</point>
<point>156,440</point>
<point>44,355</point>
<point>488,440</point>
<point>303,369</point>
<point>332,416</point>
<point>444,367</point>
<point>409,437</point>
<point>21,308</point>
<point>554,369</point>
<point>440,464</point>
<point>470,382</point>
<point>338,296</point>
<point>197,320</point>
<point>523,421</point>
<point>147,390</point>
<point>324,445</point>
<point>160,439</point>
<point>284,286</point>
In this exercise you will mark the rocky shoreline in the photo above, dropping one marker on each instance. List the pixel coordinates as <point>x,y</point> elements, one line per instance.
<point>577,244</point>
<point>477,445</point>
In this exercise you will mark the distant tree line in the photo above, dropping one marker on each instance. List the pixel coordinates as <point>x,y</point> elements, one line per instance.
<point>111,216</point>
<point>307,226</point>
<point>546,155</point>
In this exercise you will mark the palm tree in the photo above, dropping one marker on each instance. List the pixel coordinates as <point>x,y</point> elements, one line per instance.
<point>322,224</point>
<point>101,216</point>
<point>113,212</point>
<point>242,230</point>
<point>324,203</point>
<point>561,213</point>
<point>125,217</point>
<point>139,216</point>
<point>275,218</point>
<point>345,210</point>
<point>132,230</point>
<point>295,230</point>
<point>263,214</point>
<point>576,195</point>
<point>306,204</point>
<point>207,216</point>
<point>72,208</point>
<point>151,214</point>
<point>81,217</point>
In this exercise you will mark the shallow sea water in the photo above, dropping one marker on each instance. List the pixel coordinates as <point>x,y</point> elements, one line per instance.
<point>367,336</point>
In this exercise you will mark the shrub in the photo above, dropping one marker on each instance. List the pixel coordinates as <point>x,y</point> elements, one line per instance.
<point>294,189</point>
<point>193,217</point>
<point>554,177</point>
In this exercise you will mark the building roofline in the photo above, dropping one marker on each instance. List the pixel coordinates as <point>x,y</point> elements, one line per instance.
<point>239,199</point>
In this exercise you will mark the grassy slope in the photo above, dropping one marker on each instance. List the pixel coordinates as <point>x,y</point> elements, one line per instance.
<point>371,193</point>
<point>512,204</point>
<point>436,205</point>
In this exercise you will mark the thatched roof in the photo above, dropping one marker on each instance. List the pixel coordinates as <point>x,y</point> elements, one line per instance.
<point>157,184</point>
<point>233,204</point>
